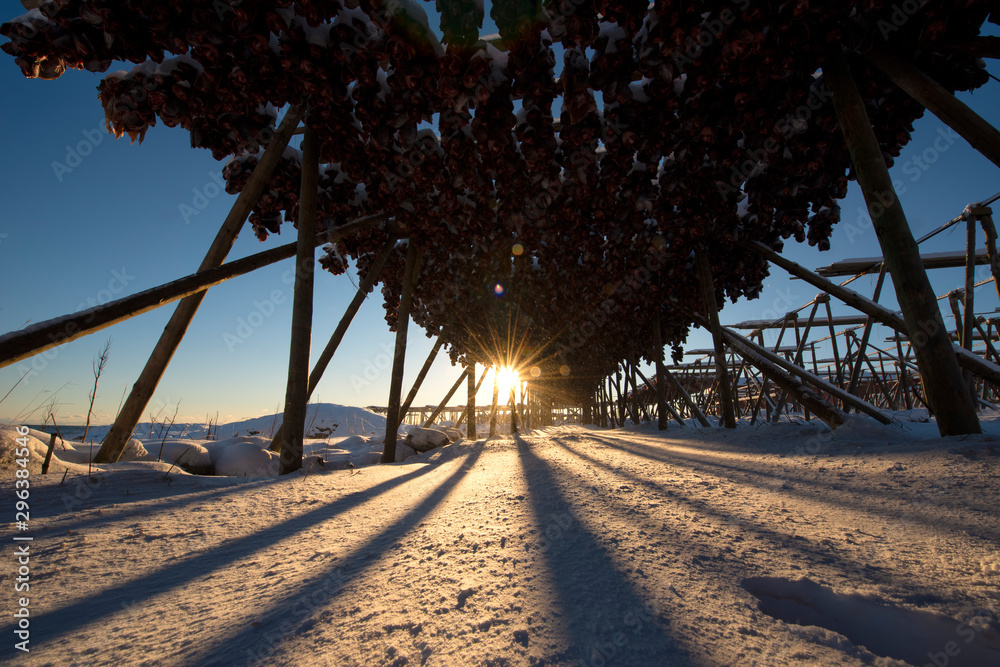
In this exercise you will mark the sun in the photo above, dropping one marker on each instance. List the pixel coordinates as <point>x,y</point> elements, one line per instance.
<point>507,378</point>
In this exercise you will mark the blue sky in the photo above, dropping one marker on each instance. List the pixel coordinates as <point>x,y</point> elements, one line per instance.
<point>86,217</point>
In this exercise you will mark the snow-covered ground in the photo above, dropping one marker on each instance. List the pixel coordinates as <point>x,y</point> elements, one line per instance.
<point>780,544</point>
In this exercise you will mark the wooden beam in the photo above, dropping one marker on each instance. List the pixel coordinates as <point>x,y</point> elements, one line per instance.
<point>943,386</point>
<point>428,362</point>
<point>479,384</point>
<point>758,356</point>
<point>393,417</point>
<point>42,336</point>
<point>986,46</point>
<point>451,392</point>
<point>980,134</point>
<point>712,318</point>
<point>46,335</point>
<point>495,406</point>
<point>326,356</point>
<point>970,285</point>
<point>868,265</point>
<point>741,345</point>
<point>855,374</point>
<point>661,381</point>
<point>159,359</point>
<point>985,216</point>
<point>293,423</point>
<point>837,321</point>
<point>470,405</point>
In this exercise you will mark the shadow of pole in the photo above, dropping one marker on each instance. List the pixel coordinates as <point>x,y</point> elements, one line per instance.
<point>822,553</point>
<point>609,622</point>
<point>824,491</point>
<point>147,487</point>
<point>292,614</point>
<point>53,624</point>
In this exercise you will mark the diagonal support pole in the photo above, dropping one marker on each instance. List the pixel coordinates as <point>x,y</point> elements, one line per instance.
<point>159,359</point>
<point>947,394</point>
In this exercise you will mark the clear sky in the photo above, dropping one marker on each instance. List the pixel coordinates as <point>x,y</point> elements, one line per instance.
<point>87,218</point>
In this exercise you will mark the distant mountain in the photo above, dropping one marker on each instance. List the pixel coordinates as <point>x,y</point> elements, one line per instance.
<point>323,420</point>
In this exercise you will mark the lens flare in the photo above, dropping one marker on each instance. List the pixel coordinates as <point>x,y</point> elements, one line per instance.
<point>498,290</point>
<point>507,378</point>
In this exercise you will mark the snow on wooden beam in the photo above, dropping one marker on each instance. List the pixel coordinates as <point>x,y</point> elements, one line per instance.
<point>934,260</point>
<point>839,321</point>
<point>983,47</point>
<point>709,353</point>
<point>42,336</point>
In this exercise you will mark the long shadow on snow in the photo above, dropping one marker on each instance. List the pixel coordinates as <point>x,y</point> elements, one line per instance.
<point>72,617</point>
<point>108,492</point>
<point>827,495</point>
<point>820,553</point>
<point>601,605</point>
<point>293,614</point>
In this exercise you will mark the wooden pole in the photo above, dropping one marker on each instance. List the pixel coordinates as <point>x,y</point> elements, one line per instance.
<point>954,113</point>
<point>833,342</point>
<point>159,359</point>
<point>943,386</point>
<point>970,284</point>
<point>513,413</point>
<point>970,289</point>
<point>757,356</point>
<point>742,345</point>
<point>695,410</point>
<point>493,410</point>
<point>855,373</point>
<point>392,420</point>
<point>470,406</point>
<point>635,388</point>
<point>666,407</point>
<point>42,336</point>
<point>451,392</point>
<point>359,298</point>
<point>985,216</point>
<point>338,334</point>
<point>661,381</point>
<point>48,454</point>
<point>297,390</point>
<point>422,374</point>
<point>712,316</point>
<point>611,404</point>
<point>478,385</point>
<point>800,346</point>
